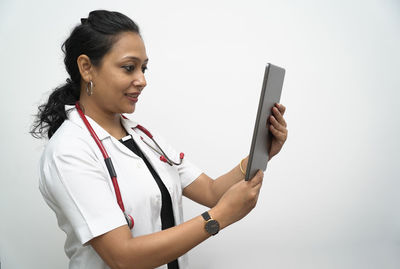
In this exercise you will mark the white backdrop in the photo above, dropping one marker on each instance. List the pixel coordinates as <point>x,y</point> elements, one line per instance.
<point>330,198</point>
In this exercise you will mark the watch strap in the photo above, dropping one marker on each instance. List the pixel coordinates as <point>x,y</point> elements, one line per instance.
<point>206,216</point>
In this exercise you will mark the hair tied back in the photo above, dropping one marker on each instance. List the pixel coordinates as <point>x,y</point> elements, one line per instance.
<point>94,38</point>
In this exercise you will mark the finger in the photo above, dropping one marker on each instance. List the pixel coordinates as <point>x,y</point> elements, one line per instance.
<point>257,179</point>
<point>281,136</point>
<point>259,184</point>
<point>258,189</point>
<point>277,133</point>
<point>276,124</point>
<point>273,121</point>
<point>281,108</point>
<point>279,116</point>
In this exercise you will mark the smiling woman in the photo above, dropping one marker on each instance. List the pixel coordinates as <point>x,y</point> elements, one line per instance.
<point>85,52</point>
<point>137,221</point>
<point>116,82</point>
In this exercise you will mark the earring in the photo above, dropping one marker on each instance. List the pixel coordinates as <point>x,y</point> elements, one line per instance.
<point>89,88</point>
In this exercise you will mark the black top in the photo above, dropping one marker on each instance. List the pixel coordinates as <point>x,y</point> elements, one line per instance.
<point>167,214</point>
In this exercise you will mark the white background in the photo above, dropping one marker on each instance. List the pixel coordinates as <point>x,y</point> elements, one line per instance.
<point>330,199</point>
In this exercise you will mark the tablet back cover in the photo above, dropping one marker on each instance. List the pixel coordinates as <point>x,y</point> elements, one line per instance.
<point>261,142</point>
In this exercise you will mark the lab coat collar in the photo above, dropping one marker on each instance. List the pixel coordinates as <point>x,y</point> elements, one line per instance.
<point>129,125</point>
<point>74,116</point>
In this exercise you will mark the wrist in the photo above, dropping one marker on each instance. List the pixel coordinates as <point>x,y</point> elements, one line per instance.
<point>217,214</point>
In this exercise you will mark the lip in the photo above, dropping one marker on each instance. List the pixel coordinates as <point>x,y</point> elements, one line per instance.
<point>133,99</point>
<point>132,96</point>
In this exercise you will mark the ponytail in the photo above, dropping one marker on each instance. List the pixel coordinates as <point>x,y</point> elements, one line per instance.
<point>52,114</point>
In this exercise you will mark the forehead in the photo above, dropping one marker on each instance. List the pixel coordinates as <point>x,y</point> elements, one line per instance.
<point>127,44</point>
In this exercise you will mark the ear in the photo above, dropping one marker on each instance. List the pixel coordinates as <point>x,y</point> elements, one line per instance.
<point>85,67</point>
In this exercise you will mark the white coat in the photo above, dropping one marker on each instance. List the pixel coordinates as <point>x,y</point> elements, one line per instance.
<point>75,183</point>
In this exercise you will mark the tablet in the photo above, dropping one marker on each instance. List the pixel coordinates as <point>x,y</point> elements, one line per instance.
<point>270,94</point>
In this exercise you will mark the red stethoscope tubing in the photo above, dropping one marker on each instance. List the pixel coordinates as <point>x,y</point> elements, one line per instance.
<point>105,155</point>
<point>110,166</point>
<point>163,156</point>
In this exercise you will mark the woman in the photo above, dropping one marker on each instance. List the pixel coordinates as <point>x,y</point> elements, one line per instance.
<point>106,59</point>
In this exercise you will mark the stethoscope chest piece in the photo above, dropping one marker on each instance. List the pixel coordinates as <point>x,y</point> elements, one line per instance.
<point>129,220</point>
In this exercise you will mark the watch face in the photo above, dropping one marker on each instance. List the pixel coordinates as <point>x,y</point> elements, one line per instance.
<point>212,227</point>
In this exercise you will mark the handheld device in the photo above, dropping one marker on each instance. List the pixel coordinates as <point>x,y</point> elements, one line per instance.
<point>270,95</point>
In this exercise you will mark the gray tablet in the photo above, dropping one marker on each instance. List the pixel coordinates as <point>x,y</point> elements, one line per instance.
<point>270,94</point>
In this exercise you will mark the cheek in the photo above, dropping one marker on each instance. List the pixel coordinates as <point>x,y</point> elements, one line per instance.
<point>112,83</point>
<point>120,82</point>
<point>116,84</point>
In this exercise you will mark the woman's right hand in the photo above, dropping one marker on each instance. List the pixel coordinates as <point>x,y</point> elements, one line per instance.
<point>238,201</point>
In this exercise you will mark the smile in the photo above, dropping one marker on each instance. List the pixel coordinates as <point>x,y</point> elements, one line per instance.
<point>132,96</point>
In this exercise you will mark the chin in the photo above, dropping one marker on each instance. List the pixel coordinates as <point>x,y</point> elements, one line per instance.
<point>129,110</point>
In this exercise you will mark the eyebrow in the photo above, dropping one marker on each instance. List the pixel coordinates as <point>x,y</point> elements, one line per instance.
<point>135,58</point>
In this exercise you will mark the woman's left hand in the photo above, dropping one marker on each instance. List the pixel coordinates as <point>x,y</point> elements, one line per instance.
<point>278,129</point>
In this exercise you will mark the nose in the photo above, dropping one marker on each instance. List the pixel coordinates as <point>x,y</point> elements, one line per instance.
<point>139,81</point>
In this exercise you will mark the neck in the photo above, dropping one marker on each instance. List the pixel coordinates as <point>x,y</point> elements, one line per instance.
<point>111,122</point>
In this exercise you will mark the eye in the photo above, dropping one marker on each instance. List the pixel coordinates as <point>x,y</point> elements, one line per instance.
<point>144,68</point>
<point>129,68</point>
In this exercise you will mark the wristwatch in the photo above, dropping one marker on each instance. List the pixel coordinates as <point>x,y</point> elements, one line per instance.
<point>211,226</point>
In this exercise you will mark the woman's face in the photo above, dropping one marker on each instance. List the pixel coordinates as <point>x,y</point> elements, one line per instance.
<point>119,79</point>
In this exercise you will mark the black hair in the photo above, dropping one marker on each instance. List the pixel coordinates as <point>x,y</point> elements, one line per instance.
<point>94,37</point>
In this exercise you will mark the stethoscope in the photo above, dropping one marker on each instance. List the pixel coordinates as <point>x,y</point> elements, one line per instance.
<point>109,164</point>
